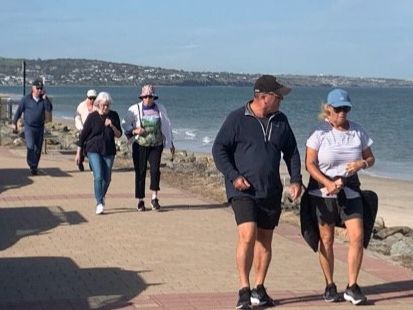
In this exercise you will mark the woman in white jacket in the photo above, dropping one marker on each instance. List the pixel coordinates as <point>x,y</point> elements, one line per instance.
<point>147,125</point>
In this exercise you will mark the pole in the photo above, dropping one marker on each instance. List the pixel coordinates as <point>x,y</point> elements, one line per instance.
<point>24,77</point>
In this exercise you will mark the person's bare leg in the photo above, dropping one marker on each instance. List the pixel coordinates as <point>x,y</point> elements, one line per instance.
<point>247,233</point>
<point>262,254</point>
<point>355,250</point>
<point>326,252</point>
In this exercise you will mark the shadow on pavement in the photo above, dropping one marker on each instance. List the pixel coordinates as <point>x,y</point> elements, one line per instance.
<point>405,288</point>
<point>123,169</point>
<point>132,209</point>
<point>20,177</point>
<point>58,283</point>
<point>19,222</point>
<point>298,299</point>
<point>53,172</point>
<point>395,290</point>
<point>192,207</point>
<point>14,178</point>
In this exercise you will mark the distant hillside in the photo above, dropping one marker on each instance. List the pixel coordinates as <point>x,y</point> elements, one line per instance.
<point>98,73</point>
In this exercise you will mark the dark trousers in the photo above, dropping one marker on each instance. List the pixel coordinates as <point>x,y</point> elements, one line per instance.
<point>82,155</point>
<point>141,155</point>
<point>34,142</point>
<point>82,158</point>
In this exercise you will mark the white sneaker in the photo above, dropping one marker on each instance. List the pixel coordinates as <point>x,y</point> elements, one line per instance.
<point>99,209</point>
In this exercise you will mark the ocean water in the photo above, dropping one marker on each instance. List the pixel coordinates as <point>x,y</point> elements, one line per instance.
<point>198,112</point>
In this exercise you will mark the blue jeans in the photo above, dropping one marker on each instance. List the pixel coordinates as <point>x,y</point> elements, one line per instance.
<point>102,174</point>
<point>34,141</point>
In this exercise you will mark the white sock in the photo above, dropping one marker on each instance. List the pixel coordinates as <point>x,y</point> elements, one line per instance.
<point>154,196</point>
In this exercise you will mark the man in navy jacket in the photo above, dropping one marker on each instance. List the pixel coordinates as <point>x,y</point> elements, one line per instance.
<point>247,150</point>
<point>33,106</point>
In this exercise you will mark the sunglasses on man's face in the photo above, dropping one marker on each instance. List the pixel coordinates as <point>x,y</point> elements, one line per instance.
<point>91,98</point>
<point>147,97</point>
<point>344,109</point>
<point>276,95</point>
<point>39,88</point>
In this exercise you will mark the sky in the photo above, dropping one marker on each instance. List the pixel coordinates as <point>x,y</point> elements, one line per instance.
<point>360,38</point>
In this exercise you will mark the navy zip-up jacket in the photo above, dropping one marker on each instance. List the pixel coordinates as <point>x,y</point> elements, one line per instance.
<point>243,147</point>
<point>33,111</point>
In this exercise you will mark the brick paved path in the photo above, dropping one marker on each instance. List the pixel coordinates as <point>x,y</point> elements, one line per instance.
<point>55,253</point>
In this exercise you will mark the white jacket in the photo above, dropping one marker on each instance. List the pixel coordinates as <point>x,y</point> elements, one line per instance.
<point>81,114</point>
<point>133,118</point>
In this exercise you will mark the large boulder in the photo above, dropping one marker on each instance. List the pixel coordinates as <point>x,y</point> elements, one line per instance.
<point>402,247</point>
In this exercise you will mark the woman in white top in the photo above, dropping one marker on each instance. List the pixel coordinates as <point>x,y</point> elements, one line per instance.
<point>83,110</point>
<point>336,151</point>
<point>148,127</point>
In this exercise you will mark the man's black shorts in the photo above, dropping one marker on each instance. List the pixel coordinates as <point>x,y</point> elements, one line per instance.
<point>265,212</point>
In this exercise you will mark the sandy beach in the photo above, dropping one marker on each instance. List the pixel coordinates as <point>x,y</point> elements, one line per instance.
<point>394,199</point>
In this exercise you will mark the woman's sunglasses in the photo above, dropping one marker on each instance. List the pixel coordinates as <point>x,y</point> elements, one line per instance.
<point>147,97</point>
<point>344,109</point>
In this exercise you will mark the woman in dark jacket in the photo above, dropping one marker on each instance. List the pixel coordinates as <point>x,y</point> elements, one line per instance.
<point>97,140</point>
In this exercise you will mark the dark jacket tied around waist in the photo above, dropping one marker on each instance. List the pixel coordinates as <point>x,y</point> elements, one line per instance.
<point>308,218</point>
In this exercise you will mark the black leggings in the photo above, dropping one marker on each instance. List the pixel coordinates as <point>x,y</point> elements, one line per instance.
<point>141,155</point>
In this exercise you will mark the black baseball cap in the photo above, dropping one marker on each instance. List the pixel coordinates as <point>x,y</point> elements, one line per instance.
<point>268,84</point>
<point>38,83</point>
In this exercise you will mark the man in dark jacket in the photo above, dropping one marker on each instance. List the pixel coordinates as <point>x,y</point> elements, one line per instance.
<point>34,107</point>
<point>247,150</point>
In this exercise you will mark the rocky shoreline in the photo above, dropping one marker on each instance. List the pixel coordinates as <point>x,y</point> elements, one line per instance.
<point>197,173</point>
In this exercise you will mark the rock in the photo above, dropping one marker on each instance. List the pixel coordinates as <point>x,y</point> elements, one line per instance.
<point>379,246</point>
<point>18,142</point>
<point>386,232</point>
<point>53,141</point>
<point>6,140</point>
<point>390,240</point>
<point>169,164</point>
<point>192,158</point>
<point>181,153</point>
<point>379,223</point>
<point>402,247</point>
<point>287,203</point>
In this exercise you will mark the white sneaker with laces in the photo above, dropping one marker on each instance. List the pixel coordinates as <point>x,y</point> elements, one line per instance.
<point>99,209</point>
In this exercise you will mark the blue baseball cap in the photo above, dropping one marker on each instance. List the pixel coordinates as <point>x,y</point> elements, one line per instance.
<point>339,98</point>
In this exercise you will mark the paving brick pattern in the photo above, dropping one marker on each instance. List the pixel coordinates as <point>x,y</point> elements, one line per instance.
<point>55,253</point>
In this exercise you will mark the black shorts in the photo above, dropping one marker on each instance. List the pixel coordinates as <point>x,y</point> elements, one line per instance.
<point>265,212</point>
<point>330,212</point>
